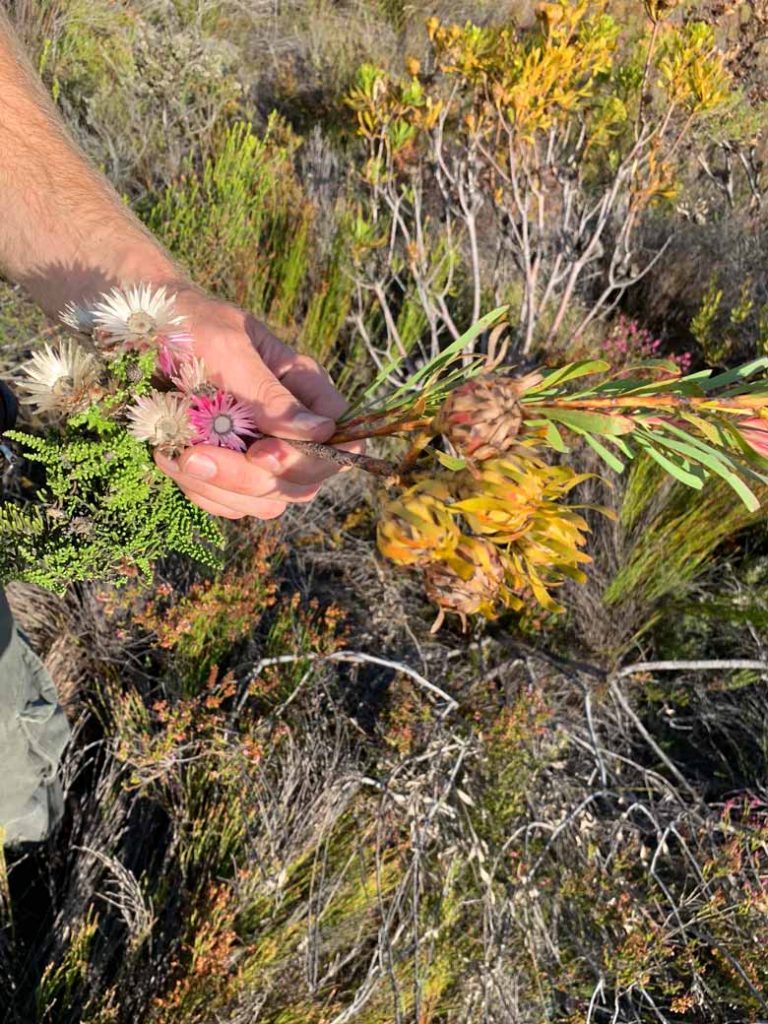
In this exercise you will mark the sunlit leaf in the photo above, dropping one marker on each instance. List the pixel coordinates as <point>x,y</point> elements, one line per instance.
<point>709,430</point>
<point>677,385</point>
<point>591,422</point>
<point>737,373</point>
<point>458,346</point>
<point>622,445</point>
<point>718,464</point>
<point>607,456</point>
<point>425,379</point>
<point>555,438</point>
<point>673,467</point>
<point>552,435</point>
<point>569,372</point>
<point>449,461</point>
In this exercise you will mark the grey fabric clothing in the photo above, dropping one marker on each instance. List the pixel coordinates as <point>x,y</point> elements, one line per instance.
<point>33,733</point>
<point>6,622</point>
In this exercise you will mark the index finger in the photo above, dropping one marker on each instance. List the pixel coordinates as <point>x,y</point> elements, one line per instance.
<point>313,387</point>
<point>300,374</point>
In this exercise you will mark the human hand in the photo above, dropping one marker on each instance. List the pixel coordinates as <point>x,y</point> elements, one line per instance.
<point>292,397</point>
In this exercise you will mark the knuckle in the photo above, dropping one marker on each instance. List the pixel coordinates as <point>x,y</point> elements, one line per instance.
<point>306,363</point>
<point>269,392</point>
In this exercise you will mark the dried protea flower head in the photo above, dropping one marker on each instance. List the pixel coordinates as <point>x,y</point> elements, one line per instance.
<point>482,417</point>
<point>417,527</point>
<point>502,498</point>
<point>468,582</point>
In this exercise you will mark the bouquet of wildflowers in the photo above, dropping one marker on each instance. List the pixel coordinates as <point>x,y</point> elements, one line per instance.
<point>97,403</point>
<point>476,500</point>
<point>182,409</point>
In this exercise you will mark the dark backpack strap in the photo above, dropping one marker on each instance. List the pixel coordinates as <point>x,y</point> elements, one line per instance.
<point>9,408</point>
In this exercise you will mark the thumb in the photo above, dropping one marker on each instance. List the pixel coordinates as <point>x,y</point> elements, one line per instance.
<point>276,410</point>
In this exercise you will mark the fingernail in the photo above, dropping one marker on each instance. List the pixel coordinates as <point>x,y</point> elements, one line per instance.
<point>265,460</point>
<point>200,466</point>
<point>308,421</point>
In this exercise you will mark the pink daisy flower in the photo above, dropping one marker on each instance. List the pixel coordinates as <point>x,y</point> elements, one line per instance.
<point>223,420</point>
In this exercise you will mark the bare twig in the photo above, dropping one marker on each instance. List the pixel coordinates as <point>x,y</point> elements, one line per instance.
<point>352,657</point>
<point>672,767</point>
<point>723,665</point>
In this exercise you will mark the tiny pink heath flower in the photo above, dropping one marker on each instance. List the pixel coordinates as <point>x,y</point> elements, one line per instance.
<point>223,420</point>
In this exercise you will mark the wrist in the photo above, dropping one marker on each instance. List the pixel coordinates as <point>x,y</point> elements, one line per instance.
<point>96,268</point>
<point>146,262</point>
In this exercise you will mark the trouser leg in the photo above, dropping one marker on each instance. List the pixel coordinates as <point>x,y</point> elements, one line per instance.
<point>33,734</point>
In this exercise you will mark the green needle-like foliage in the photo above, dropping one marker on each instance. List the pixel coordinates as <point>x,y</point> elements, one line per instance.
<point>109,513</point>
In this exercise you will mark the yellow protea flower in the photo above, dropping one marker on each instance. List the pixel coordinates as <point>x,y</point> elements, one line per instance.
<point>548,554</point>
<point>468,582</point>
<point>501,500</point>
<point>516,503</point>
<point>417,527</point>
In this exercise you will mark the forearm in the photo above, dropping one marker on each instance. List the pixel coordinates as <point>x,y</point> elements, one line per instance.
<point>64,232</point>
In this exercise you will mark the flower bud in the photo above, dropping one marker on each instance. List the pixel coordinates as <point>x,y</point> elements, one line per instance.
<point>482,418</point>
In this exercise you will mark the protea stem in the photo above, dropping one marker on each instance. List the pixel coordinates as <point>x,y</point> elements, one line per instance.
<point>366,418</point>
<point>417,445</point>
<point>739,404</point>
<point>379,467</point>
<point>343,436</point>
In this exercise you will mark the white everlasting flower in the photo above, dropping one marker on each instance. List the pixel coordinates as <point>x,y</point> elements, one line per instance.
<point>161,419</point>
<point>59,379</point>
<point>78,318</point>
<point>137,316</point>
<point>190,377</point>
